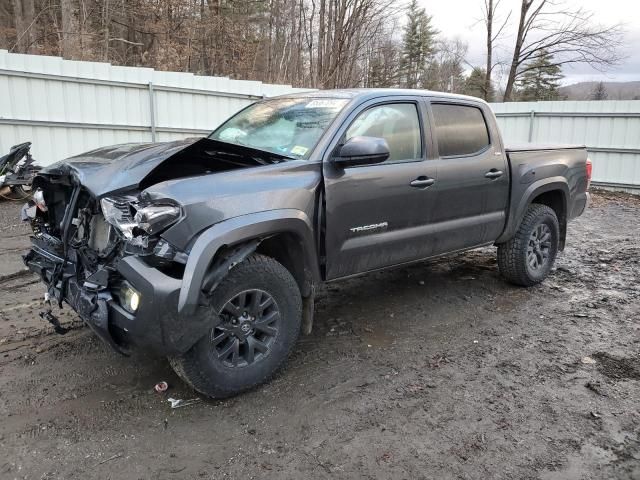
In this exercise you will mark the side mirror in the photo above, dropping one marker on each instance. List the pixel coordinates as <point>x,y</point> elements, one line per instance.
<point>362,151</point>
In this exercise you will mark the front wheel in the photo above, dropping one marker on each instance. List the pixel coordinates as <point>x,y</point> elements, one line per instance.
<point>527,258</point>
<point>260,311</point>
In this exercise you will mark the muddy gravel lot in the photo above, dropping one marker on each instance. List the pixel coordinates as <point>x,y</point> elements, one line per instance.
<point>435,371</point>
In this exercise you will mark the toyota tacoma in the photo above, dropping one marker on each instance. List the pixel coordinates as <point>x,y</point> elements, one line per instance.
<point>209,251</point>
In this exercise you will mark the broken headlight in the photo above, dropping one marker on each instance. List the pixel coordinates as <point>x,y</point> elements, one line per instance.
<point>155,218</point>
<point>133,219</point>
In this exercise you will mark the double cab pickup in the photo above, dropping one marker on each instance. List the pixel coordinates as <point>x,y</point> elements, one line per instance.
<point>209,251</point>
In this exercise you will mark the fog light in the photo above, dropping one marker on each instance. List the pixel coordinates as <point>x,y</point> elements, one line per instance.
<point>131,299</point>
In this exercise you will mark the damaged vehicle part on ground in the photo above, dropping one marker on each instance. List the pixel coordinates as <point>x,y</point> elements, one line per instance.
<point>17,170</point>
<point>209,251</point>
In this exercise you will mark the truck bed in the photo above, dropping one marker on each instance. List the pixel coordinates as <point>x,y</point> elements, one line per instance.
<point>527,147</point>
<point>534,166</point>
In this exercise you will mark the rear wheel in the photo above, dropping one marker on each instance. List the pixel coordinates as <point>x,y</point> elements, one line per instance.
<point>260,311</point>
<point>527,258</point>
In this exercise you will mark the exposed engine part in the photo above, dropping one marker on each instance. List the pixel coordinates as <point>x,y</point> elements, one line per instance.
<point>70,223</point>
<point>101,234</point>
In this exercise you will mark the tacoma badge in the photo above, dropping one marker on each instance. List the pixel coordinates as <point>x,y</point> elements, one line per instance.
<point>367,228</point>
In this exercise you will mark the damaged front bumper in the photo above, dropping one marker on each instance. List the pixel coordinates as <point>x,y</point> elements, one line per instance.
<point>156,323</point>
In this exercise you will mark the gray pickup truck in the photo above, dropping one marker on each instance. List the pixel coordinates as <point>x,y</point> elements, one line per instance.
<point>209,251</point>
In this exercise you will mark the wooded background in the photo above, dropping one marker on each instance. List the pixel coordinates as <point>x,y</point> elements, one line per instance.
<point>321,43</point>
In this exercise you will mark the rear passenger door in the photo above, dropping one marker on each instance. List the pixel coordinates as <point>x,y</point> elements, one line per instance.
<point>473,178</point>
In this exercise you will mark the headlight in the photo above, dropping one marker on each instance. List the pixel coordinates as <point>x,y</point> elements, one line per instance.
<point>2,179</point>
<point>118,213</point>
<point>154,218</point>
<point>133,219</point>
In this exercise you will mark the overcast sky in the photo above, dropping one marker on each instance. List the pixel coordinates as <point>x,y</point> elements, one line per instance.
<point>462,19</point>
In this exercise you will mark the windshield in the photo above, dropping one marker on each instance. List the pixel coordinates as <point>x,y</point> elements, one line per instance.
<point>287,126</point>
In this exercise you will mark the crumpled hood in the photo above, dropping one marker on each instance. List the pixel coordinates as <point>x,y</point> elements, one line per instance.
<point>119,168</point>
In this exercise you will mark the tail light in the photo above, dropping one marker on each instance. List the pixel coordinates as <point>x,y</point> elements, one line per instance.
<point>589,170</point>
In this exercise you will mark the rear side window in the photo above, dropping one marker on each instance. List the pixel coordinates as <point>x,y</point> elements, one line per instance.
<point>460,129</point>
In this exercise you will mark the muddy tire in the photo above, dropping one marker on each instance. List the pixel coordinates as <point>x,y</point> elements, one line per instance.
<point>260,310</point>
<point>528,257</point>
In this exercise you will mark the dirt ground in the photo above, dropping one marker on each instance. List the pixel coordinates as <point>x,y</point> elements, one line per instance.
<point>435,371</point>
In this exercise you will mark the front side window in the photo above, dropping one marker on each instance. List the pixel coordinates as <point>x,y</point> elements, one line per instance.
<point>287,126</point>
<point>460,129</point>
<point>397,123</point>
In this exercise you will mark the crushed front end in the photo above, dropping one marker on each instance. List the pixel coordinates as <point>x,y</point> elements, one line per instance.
<point>105,258</point>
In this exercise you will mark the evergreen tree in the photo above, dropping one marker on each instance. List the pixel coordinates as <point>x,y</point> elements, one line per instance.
<point>418,46</point>
<point>599,92</point>
<point>474,85</point>
<point>540,80</point>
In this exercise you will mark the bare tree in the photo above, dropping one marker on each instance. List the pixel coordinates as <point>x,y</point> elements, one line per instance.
<point>489,11</point>
<point>445,70</point>
<point>310,43</point>
<point>71,40</point>
<point>547,27</point>
<point>24,15</point>
<point>599,92</point>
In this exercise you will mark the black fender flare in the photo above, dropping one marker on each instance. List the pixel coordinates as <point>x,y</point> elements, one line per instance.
<point>516,211</point>
<point>237,230</point>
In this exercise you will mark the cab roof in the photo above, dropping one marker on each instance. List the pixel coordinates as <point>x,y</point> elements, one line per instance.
<point>371,93</point>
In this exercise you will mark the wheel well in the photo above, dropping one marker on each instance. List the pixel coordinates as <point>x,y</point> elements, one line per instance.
<point>288,249</point>
<point>555,200</point>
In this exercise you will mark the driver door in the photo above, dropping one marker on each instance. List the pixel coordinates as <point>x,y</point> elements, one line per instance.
<point>376,214</point>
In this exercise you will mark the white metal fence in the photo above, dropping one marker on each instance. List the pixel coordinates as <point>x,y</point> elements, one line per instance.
<point>66,107</point>
<point>609,129</point>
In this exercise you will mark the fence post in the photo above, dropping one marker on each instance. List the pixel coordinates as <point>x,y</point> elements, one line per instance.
<point>152,112</point>
<point>532,117</point>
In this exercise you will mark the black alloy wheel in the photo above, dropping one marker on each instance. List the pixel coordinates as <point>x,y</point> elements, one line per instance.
<point>257,315</point>
<point>539,247</point>
<point>249,326</point>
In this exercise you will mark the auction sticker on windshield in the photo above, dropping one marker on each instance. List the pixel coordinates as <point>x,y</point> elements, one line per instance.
<point>329,103</point>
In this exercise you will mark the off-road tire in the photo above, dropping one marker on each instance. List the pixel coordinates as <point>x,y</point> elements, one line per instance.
<point>513,255</point>
<point>203,371</point>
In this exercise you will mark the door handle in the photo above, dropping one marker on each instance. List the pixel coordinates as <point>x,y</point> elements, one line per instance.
<point>493,173</point>
<point>422,182</point>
